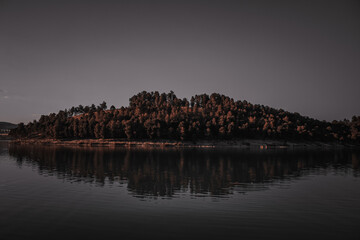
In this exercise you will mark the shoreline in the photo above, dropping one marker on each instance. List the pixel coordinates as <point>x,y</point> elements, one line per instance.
<point>238,144</point>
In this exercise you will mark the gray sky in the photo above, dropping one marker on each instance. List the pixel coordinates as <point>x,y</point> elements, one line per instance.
<point>302,56</point>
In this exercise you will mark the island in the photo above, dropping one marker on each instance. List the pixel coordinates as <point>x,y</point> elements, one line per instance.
<point>163,119</point>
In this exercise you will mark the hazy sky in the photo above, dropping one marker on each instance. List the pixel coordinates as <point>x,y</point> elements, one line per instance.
<point>302,56</point>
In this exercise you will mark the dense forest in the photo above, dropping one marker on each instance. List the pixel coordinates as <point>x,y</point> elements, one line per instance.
<point>151,115</point>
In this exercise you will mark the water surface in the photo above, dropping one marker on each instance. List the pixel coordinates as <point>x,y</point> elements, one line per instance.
<point>91,193</point>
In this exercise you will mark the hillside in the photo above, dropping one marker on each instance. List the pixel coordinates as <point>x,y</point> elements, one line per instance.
<point>155,116</point>
<point>7,125</point>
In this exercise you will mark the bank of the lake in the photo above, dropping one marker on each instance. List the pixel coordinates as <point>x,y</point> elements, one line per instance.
<point>241,144</point>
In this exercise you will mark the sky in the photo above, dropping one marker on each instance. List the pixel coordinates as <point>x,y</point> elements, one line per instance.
<point>301,56</point>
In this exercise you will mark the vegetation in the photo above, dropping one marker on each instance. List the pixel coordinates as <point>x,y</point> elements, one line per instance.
<point>152,115</point>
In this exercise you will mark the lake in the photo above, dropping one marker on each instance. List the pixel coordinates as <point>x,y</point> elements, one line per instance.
<point>57,192</point>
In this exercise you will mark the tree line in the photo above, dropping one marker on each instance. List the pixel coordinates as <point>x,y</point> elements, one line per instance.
<point>151,115</point>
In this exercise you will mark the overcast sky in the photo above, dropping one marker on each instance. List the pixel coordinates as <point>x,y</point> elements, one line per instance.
<point>302,56</point>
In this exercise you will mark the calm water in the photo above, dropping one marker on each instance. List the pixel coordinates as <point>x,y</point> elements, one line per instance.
<point>96,193</point>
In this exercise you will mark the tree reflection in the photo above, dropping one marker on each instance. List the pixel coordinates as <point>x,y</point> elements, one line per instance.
<point>165,172</point>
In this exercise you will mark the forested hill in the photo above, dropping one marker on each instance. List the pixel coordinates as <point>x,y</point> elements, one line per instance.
<point>165,116</point>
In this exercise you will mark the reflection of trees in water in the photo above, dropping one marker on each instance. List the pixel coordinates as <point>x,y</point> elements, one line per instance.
<point>165,172</point>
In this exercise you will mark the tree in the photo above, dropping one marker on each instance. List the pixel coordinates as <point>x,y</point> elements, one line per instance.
<point>97,131</point>
<point>92,108</point>
<point>128,129</point>
<point>182,130</point>
<point>81,109</point>
<point>103,105</point>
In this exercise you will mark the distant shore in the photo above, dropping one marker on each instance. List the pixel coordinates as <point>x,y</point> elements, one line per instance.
<point>241,144</point>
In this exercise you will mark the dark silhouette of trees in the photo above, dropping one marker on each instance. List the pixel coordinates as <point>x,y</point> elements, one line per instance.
<point>151,115</point>
<point>103,105</point>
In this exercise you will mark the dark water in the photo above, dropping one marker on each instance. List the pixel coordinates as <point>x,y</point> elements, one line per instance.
<point>97,193</point>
